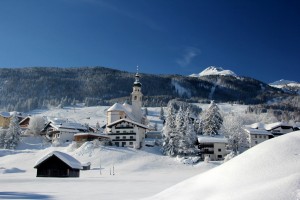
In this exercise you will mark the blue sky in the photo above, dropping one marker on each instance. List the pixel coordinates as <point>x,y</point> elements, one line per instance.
<point>257,38</point>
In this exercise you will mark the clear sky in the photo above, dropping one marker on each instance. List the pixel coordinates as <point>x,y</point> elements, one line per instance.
<point>256,38</point>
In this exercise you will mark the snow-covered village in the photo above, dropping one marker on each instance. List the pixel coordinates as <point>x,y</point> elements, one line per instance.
<point>153,100</point>
<point>105,151</point>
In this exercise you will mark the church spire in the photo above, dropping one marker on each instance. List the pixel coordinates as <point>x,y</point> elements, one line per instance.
<point>136,97</point>
<point>137,78</point>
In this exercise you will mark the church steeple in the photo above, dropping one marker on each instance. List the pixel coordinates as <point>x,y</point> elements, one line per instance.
<point>137,78</point>
<point>136,97</point>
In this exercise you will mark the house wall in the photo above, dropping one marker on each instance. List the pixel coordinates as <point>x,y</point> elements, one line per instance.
<point>215,151</point>
<point>129,135</point>
<point>257,139</point>
<point>113,116</point>
<point>220,151</point>
<point>63,137</point>
<point>4,122</point>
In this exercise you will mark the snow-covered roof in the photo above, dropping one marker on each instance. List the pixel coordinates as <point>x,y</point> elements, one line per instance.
<point>254,131</point>
<point>129,121</point>
<point>93,134</point>
<point>125,108</point>
<point>269,127</point>
<point>66,158</point>
<point>210,139</point>
<point>5,114</point>
<point>116,107</point>
<point>257,125</point>
<point>65,125</point>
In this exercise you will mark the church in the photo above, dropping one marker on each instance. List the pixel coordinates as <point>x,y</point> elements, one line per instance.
<point>126,125</point>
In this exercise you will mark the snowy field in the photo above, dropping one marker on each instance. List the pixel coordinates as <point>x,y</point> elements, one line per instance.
<point>268,171</point>
<point>137,174</point>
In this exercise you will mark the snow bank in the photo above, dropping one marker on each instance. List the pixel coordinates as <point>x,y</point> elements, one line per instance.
<point>269,170</point>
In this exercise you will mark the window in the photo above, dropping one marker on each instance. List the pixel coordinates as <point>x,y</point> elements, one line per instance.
<point>255,136</point>
<point>255,142</point>
<point>219,150</point>
<point>124,137</point>
<point>118,131</point>
<point>117,144</point>
<point>117,138</point>
<point>220,156</point>
<point>260,136</point>
<point>135,97</point>
<point>130,143</point>
<point>123,144</point>
<point>124,131</point>
<point>131,137</point>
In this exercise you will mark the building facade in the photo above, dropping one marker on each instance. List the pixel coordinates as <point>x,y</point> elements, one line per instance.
<point>213,147</point>
<point>125,123</point>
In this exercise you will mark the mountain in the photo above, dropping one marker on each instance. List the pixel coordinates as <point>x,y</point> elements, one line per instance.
<point>24,89</point>
<point>287,86</point>
<point>212,70</point>
<point>269,171</point>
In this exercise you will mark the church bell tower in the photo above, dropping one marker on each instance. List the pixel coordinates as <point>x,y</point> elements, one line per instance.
<point>136,98</point>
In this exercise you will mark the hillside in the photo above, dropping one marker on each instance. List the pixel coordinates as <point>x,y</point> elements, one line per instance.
<point>267,171</point>
<point>24,89</point>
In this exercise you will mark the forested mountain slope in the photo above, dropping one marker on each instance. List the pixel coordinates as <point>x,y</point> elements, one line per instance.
<point>35,87</point>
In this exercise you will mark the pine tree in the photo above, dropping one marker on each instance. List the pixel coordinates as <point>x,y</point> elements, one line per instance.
<point>211,120</point>
<point>161,114</point>
<point>13,133</point>
<point>2,136</point>
<point>187,135</point>
<point>168,132</point>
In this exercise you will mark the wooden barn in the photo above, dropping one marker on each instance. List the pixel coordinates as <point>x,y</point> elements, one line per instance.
<point>58,164</point>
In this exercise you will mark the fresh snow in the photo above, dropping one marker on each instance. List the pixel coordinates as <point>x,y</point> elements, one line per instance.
<point>282,82</point>
<point>180,89</point>
<point>286,85</point>
<point>143,173</point>
<point>137,173</point>
<point>212,70</point>
<point>269,170</point>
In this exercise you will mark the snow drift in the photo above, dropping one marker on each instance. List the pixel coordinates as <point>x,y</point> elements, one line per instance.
<point>267,171</point>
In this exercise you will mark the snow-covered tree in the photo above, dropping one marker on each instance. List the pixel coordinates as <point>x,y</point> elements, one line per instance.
<point>168,132</point>
<point>36,124</point>
<point>211,120</point>
<point>98,128</point>
<point>187,134</point>
<point>155,126</point>
<point>2,136</point>
<point>146,111</point>
<point>238,139</point>
<point>13,133</point>
<point>178,132</point>
<point>161,114</point>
